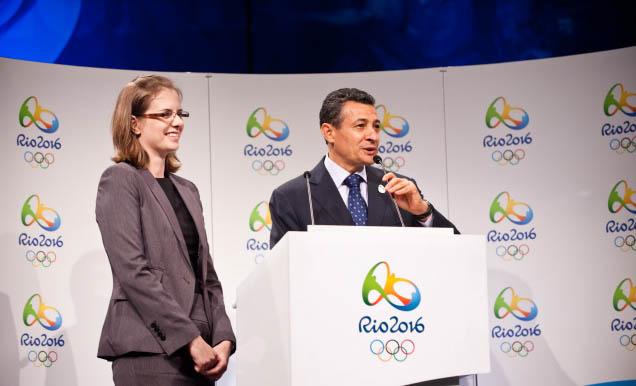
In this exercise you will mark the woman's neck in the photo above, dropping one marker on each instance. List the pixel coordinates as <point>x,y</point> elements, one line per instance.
<point>157,166</point>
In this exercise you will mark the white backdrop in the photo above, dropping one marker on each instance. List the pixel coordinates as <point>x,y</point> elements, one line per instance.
<point>562,164</point>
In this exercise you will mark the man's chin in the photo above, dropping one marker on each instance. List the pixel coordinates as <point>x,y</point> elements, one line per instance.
<point>368,159</point>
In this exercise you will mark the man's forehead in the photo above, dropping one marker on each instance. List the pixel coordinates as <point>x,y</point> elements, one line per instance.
<point>356,110</point>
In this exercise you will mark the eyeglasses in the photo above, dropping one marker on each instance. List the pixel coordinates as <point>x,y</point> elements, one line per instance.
<point>167,115</point>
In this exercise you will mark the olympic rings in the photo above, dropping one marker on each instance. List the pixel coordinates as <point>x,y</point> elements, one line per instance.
<point>393,165</point>
<point>625,243</point>
<point>628,342</point>
<point>42,358</point>
<point>517,348</point>
<point>43,160</point>
<point>392,349</point>
<point>512,251</point>
<point>41,258</point>
<point>268,167</point>
<point>623,145</point>
<point>508,156</point>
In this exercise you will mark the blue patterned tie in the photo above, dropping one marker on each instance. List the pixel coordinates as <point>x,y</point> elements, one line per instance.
<point>357,206</point>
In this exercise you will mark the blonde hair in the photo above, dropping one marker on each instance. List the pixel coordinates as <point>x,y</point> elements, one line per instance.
<point>134,100</point>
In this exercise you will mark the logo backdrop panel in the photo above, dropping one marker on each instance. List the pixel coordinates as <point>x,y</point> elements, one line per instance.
<point>541,161</point>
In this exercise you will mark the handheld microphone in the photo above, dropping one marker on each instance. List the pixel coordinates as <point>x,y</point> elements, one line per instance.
<point>307,175</point>
<point>378,160</point>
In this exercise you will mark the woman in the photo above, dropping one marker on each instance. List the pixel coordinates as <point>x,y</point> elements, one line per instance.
<point>166,322</point>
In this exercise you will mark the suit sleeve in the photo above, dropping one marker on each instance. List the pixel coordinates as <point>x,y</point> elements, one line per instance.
<point>283,217</point>
<point>221,326</point>
<point>439,221</point>
<point>118,212</point>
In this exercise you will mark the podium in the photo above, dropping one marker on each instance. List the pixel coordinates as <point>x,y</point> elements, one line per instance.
<point>364,306</point>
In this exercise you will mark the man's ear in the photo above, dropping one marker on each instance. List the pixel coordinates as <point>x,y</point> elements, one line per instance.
<point>327,131</point>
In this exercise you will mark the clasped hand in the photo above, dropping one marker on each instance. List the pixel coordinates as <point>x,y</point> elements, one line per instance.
<point>209,361</point>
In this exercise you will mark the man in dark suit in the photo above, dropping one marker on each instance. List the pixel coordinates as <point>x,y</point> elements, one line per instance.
<point>345,189</point>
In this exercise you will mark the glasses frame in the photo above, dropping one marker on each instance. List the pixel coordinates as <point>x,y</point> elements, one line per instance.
<point>162,116</point>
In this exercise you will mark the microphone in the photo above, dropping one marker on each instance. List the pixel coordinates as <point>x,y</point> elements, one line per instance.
<point>378,160</point>
<point>307,175</point>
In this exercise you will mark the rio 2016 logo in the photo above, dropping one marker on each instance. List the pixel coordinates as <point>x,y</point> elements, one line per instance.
<point>39,149</point>
<point>34,211</point>
<point>622,196</point>
<point>31,112</point>
<point>517,212</point>
<point>500,111</point>
<point>504,207</point>
<point>624,295</point>
<point>524,310</point>
<point>373,292</point>
<point>392,125</point>
<point>403,295</point>
<point>515,118</point>
<point>508,302</point>
<point>268,159</point>
<point>618,98</point>
<point>623,299</point>
<point>36,311</point>
<point>260,218</point>
<point>42,349</point>
<point>260,122</point>
<point>396,127</point>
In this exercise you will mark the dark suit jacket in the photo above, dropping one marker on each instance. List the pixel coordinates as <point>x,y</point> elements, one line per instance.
<point>153,279</point>
<point>289,205</point>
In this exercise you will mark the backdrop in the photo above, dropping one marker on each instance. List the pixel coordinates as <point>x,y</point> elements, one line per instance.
<point>537,156</point>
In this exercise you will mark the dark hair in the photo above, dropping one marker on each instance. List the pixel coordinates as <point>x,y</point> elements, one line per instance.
<point>332,105</point>
<point>133,100</point>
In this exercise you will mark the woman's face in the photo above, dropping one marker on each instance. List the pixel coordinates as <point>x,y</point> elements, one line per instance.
<point>159,135</point>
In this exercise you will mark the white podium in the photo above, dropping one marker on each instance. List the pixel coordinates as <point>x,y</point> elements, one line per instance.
<point>364,306</point>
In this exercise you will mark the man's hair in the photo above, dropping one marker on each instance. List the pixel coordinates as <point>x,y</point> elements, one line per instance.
<point>133,100</point>
<point>331,109</point>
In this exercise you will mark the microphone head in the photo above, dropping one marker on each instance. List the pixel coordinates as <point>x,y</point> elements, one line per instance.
<point>377,159</point>
<point>307,174</point>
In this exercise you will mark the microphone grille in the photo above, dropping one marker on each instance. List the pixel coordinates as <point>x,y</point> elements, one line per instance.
<point>377,159</point>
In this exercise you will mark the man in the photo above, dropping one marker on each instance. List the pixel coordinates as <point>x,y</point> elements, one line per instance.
<point>345,189</point>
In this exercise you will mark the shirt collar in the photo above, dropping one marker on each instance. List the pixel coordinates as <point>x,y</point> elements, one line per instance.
<point>338,173</point>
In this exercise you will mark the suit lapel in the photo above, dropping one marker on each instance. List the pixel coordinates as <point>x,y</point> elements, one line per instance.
<point>378,202</point>
<point>327,200</point>
<point>161,198</point>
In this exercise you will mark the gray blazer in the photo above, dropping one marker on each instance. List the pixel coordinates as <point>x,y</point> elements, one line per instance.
<point>153,279</point>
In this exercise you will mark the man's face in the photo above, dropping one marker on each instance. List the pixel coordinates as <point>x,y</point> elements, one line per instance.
<point>355,142</point>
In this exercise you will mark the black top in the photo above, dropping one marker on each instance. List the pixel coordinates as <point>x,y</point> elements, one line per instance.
<point>186,224</point>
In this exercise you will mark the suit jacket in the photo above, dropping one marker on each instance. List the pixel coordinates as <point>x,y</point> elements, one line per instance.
<point>289,205</point>
<point>153,279</point>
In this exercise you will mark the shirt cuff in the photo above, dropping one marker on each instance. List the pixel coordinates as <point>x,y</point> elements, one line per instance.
<point>428,222</point>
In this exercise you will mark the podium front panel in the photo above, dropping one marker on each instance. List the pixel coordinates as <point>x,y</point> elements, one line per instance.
<point>386,309</point>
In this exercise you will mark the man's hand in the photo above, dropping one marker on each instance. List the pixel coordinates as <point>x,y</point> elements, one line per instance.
<point>203,355</point>
<point>222,351</point>
<point>405,193</point>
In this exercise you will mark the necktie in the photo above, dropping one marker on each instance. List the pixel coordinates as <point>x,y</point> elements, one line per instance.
<point>357,206</point>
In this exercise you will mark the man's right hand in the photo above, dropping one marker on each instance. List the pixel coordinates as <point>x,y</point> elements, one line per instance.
<point>202,354</point>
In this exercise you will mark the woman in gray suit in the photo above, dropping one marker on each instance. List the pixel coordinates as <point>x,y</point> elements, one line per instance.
<point>166,322</point>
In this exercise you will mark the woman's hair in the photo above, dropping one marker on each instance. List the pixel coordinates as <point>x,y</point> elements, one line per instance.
<point>134,100</point>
